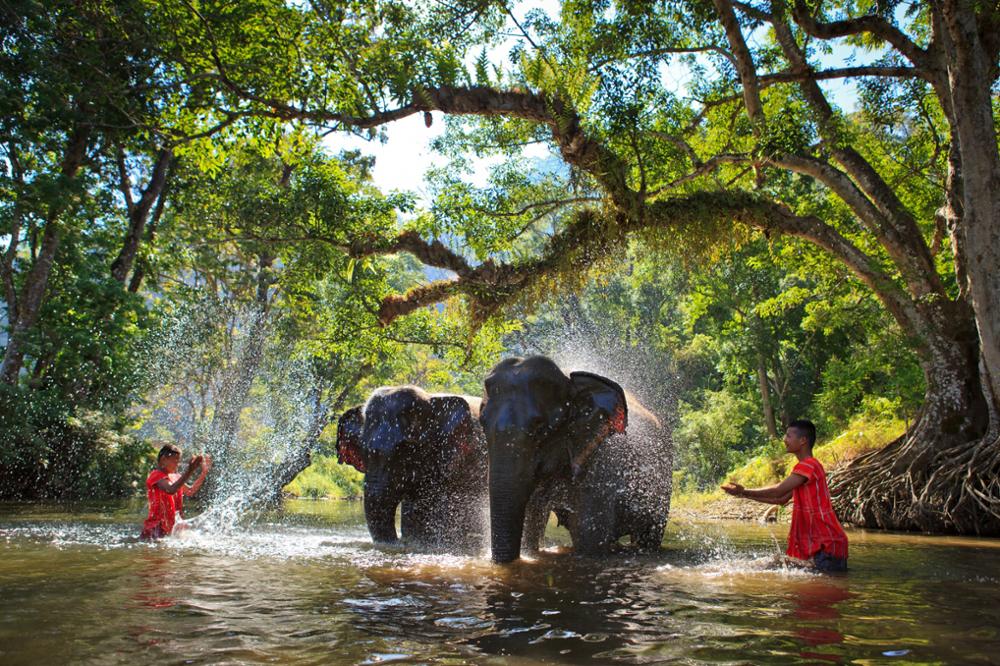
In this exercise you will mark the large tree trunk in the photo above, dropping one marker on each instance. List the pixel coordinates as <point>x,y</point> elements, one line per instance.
<point>933,478</point>
<point>944,473</point>
<point>235,390</point>
<point>971,70</point>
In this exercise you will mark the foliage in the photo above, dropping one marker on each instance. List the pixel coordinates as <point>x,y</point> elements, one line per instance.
<point>723,325</point>
<point>325,479</point>
<point>57,451</point>
<point>709,440</point>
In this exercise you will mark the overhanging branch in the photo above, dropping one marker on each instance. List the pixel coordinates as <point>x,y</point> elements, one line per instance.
<point>873,25</point>
<point>491,286</point>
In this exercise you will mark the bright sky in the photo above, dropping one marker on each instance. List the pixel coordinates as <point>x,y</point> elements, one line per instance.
<point>401,162</point>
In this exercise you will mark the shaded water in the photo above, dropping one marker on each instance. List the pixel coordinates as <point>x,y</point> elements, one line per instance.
<point>308,587</point>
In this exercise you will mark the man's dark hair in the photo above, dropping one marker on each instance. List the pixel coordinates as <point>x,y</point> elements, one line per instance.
<point>168,450</point>
<point>806,428</point>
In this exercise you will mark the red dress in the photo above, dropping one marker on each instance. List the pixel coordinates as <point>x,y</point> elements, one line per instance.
<point>814,524</point>
<point>163,507</point>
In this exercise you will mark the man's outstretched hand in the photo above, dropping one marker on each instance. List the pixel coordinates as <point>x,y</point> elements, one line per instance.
<point>734,489</point>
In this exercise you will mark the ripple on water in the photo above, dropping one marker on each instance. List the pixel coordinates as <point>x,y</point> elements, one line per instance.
<point>556,634</point>
<point>463,622</point>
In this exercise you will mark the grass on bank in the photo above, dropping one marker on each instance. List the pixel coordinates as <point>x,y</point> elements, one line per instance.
<point>773,465</point>
<point>327,479</point>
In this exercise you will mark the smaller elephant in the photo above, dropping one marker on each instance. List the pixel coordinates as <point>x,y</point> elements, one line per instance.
<point>427,453</point>
<point>578,444</point>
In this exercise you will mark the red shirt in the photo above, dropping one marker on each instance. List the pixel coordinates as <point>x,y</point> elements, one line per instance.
<point>814,524</point>
<point>163,507</point>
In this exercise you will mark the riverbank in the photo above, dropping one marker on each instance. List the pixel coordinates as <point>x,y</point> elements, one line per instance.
<point>325,478</point>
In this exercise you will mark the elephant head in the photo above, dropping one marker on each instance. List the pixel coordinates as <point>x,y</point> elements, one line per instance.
<point>540,424</point>
<point>405,441</point>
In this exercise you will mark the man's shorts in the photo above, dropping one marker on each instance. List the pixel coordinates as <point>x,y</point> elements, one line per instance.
<point>827,563</point>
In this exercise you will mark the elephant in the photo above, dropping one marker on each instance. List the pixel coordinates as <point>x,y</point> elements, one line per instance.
<point>426,452</point>
<point>578,444</point>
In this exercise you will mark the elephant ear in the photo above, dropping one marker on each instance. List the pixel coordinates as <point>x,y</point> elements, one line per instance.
<point>458,427</point>
<point>349,428</point>
<point>599,410</point>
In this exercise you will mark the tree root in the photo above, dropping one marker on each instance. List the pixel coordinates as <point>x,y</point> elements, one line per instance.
<point>923,482</point>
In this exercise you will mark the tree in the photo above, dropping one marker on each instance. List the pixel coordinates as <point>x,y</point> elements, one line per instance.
<point>763,148</point>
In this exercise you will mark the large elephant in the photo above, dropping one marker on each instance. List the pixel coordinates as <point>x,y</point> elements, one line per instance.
<point>426,452</point>
<point>578,444</point>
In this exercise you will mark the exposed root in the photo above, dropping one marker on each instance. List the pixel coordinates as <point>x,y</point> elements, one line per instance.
<point>923,482</point>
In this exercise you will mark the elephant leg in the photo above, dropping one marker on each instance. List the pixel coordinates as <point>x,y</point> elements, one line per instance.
<point>648,533</point>
<point>418,524</point>
<point>596,524</point>
<point>536,517</point>
<point>448,521</point>
<point>409,523</point>
<point>652,517</point>
<point>464,522</point>
<point>469,508</point>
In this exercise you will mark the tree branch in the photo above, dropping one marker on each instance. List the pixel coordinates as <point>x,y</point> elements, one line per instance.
<point>138,212</point>
<point>490,286</point>
<point>537,204</point>
<point>124,182</point>
<point>702,168</point>
<point>680,50</point>
<point>899,233</point>
<point>873,25</point>
<point>841,73</point>
<point>431,253</point>
<point>744,63</point>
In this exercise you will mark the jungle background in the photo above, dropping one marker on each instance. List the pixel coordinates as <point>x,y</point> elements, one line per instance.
<point>184,237</point>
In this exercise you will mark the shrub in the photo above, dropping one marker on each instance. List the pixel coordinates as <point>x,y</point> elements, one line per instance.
<point>52,450</point>
<point>325,478</point>
<point>709,440</point>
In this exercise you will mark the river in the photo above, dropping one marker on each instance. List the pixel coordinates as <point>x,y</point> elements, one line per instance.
<point>307,587</point>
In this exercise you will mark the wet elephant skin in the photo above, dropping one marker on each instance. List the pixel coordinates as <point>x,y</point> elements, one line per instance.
<point>425,452</point>
<point>576,444</point>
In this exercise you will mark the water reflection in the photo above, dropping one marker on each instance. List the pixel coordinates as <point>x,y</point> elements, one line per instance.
<point>154,581</point>
<point>815,616</point>
<point>309,587</point>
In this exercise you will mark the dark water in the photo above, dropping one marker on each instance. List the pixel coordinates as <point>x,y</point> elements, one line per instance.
<point>307,587</point>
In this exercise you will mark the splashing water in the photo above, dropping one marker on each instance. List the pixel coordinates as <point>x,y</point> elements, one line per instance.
<point>230,391</point>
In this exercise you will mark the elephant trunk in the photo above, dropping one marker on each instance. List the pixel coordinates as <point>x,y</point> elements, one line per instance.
<point>509,492</point>
<point>380,511</point>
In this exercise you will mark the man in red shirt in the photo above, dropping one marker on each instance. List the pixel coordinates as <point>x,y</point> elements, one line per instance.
<point>816,533</point>
<point>166,489</point>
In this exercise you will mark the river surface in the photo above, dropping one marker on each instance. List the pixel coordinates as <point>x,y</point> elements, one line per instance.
<point>306,586</point>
